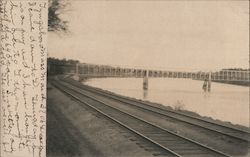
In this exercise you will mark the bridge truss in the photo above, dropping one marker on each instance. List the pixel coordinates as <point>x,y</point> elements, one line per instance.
<point>91,70</point>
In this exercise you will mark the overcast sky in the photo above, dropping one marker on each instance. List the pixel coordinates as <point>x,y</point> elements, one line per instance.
<point>202,35</point>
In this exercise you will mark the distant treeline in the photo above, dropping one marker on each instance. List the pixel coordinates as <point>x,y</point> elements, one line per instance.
<point>59,66</point>
<point>236,69</point>
<point>241,83</point>
<point>64,61</point>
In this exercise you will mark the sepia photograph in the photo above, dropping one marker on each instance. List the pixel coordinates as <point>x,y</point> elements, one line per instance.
<point>144,78</point>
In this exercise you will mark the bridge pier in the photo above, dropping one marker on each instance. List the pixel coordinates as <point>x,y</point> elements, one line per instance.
<point>145,81</point>
<point>207,83</point>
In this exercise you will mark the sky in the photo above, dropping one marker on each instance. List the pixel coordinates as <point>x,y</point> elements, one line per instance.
<point>204,35</point>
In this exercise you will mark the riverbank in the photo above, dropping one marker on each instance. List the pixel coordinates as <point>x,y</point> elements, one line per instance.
<point>75,131</point>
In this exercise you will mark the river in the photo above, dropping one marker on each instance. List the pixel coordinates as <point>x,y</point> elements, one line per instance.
<point>225,102</point>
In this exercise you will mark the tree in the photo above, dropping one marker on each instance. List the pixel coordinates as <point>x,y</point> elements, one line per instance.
<point>55,23</point>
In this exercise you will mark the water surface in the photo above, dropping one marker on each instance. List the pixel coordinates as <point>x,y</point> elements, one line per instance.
<point>225,102</point>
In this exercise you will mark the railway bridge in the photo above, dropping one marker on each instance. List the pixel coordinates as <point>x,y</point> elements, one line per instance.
<point>92,70</point>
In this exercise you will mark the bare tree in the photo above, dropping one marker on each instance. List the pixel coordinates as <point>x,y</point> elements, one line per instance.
<point>55,22</point>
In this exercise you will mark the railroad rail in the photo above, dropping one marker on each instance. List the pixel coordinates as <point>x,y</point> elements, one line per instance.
<point>191,120</point>
<point>172,143</point>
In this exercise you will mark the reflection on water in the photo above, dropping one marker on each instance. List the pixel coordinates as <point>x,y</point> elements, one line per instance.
<point>145,94</point>
<point>224,102</point>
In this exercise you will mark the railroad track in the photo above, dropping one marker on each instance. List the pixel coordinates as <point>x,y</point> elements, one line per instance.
<point>172,143</point>
<point>191,120</point>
